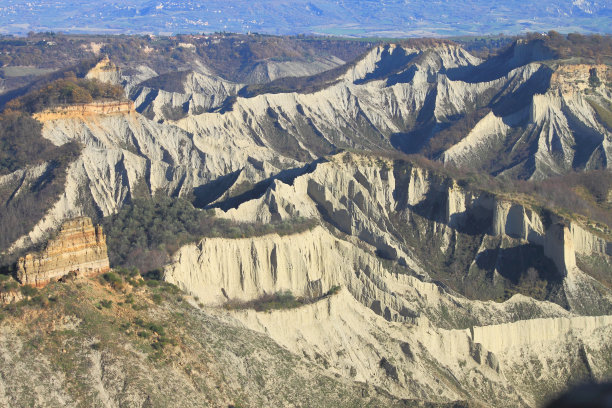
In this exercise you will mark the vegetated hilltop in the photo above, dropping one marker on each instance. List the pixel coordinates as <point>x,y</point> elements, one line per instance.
<point>68,91</point>
<point>411,219</point>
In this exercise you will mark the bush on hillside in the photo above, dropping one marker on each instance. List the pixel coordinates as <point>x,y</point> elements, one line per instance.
<point>144,234</point>
<point>22,144</point>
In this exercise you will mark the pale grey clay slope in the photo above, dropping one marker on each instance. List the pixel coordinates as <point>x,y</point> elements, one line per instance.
<point>394,323</point>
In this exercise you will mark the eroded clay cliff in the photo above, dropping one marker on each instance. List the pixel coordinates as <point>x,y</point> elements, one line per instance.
<point>80,247</point>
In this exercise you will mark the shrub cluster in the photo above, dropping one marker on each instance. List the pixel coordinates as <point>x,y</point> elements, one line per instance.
<point>144,234</point>
<point>277,301</point>
<point>157,331</point>
<point>8,284</point>
<point>113,279</point>
<point>22,144</point>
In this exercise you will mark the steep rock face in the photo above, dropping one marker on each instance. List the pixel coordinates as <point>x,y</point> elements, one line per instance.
<point>352,332</point>
<point>269,70</point>
<point>389,231</point>
<point>105,71</point>
<point>199,93</point>
<point>355,343</point>
<point>517,221</point>
<point>489,131</point>
<point>572,78</point>
<point>392,98</point>
<point>219,269</point>
<point>68,205</point>
<point>536,355</point>
<point>126,155</point>
<point>558,123</point>
<point>397,208</point>
<point>586,243</point>
<point>399,97</point>
<point>392,58</point>
<point>390,328</point>
<point>387,327</point>
<point>132,77</point>
<point>80,247</point>
<point>521,222</point>
<point>124,151</point>
<point>514,335</point>
<point>363,103</point>
<point>437,364</point>
<point>368,189</point>
<point>562,241</point>
<point>309,264</point>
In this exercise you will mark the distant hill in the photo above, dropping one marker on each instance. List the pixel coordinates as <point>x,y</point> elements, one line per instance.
<point>393,18</point>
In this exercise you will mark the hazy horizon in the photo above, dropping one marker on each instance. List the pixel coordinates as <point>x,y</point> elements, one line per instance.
<point>392,18</point>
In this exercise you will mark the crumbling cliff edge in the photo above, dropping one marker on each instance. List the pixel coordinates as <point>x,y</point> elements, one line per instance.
<point>80,247</point>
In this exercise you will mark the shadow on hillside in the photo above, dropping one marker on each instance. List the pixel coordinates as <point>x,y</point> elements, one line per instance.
<point>522,264</point>
<point>517,55</point>
<point>390,65</point>
<point>514,101</point>
<point>208,193</point>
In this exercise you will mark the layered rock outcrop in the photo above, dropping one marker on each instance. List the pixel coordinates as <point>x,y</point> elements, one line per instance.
<point>86,109</point>
<point>80,247</point>
<point>571,78</point>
